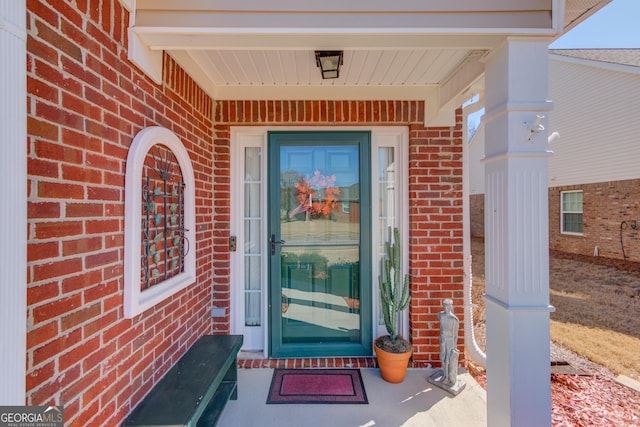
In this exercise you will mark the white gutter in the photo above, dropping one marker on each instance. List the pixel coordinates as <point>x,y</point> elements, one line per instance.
<point>471,346</point>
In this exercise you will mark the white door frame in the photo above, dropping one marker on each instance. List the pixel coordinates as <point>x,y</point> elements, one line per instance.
<point>256,338</point>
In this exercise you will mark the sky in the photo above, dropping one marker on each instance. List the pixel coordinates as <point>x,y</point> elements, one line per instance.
<point>615,25</point>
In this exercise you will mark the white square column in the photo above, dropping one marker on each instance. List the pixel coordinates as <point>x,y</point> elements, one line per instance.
<point>13,193</point>
<point>517,234</point>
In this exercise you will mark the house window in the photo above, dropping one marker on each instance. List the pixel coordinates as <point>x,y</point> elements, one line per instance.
<point>571,212</point>
<point>159,220</point>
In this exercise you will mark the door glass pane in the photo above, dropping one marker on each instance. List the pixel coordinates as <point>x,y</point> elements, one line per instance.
<point>387,193</point>
<point>252,200</point>
<point>252,232</point>
<point>252,272</point>
<point>386,202</point>
<point>320,261</point>
<point>252,168</point>
<point>252,311</point>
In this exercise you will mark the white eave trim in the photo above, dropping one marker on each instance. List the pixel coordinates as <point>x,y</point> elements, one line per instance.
<point>139,52</point>
<point>173,38</point>
<point>557,15</point>
<point>130,5</point>
<point>147,59</point>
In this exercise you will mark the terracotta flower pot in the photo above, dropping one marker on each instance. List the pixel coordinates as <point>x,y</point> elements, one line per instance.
<point>393,366</point>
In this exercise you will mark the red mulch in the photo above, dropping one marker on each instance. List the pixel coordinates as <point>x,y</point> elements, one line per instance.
<point>585,401</point>
<point>592,401</point>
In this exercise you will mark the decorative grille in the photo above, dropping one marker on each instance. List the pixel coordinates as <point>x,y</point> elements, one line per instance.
<point>164,244</point>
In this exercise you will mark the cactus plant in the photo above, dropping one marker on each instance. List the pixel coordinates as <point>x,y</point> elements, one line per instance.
<point>392,351</point>
<point>394,290</point>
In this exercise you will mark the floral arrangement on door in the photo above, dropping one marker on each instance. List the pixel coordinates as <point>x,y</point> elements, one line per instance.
<point>316,195</point>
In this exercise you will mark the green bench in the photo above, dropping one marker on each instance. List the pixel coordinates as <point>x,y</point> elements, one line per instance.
<point>196,389</point>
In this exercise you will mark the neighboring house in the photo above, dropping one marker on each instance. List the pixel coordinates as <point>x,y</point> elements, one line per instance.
<point>594,178</point>
<point>150,152</point>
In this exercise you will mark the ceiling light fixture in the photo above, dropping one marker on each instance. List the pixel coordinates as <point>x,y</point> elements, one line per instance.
<point>329,62</point>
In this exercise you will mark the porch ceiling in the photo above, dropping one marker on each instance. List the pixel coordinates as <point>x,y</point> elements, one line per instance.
<point>406,49</point>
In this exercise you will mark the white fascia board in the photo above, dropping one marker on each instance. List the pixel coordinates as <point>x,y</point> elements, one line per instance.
<point>159,38</point>
<point>349,6</point>
<point>130,5</point>
<point>557,15</point>
<point>444,117</point>
<point>433,23</point>
<point>462,79</point>
<point>172,38</point>
<point>139,52</point>
<point>440,110</point>
<point>148,60</point>
<point>477,18</point>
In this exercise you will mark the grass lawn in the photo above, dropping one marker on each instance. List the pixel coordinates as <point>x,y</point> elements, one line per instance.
<point>597,311</point>
<point>618,352</point>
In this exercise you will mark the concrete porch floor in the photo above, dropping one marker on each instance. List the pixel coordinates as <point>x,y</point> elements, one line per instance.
<point>414,402</point>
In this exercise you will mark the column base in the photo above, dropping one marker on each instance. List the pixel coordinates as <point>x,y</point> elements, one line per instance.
<point>518,364</point>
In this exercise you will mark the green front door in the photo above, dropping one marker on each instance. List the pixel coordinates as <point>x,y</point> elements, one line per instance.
<point>319,242</point>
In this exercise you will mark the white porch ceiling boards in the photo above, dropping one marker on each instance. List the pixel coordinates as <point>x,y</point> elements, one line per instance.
<point>298,67</point>
<point>405,49</point>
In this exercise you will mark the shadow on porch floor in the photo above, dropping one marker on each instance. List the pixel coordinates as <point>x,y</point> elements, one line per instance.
<point>414,402</point>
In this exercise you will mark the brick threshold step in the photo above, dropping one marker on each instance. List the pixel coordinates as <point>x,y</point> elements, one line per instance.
<point>247,360</point>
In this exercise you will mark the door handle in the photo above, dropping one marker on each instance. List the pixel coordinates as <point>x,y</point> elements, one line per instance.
<point>275,242</point>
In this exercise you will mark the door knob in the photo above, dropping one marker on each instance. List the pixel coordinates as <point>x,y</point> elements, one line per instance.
<point>275,242</point>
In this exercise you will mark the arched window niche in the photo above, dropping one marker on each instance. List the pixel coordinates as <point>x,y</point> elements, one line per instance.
<point>160,220</point>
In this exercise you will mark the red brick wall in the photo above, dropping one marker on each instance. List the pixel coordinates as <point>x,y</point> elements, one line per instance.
<point>605,206</point>
<point>86,103</point>
<point>435,197</point>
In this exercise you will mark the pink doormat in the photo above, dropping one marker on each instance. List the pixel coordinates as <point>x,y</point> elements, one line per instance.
<point>317,386</point>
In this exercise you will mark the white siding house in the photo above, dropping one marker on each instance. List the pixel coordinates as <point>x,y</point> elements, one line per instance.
<point>595,94</point>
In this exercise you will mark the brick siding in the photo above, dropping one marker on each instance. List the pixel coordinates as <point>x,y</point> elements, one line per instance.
<point>605,206</point>
<point>435,198</point>
<point>320,362</point>
<point>86,103</point>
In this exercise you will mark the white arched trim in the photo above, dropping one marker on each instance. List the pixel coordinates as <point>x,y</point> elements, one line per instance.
<point>135,300</point>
